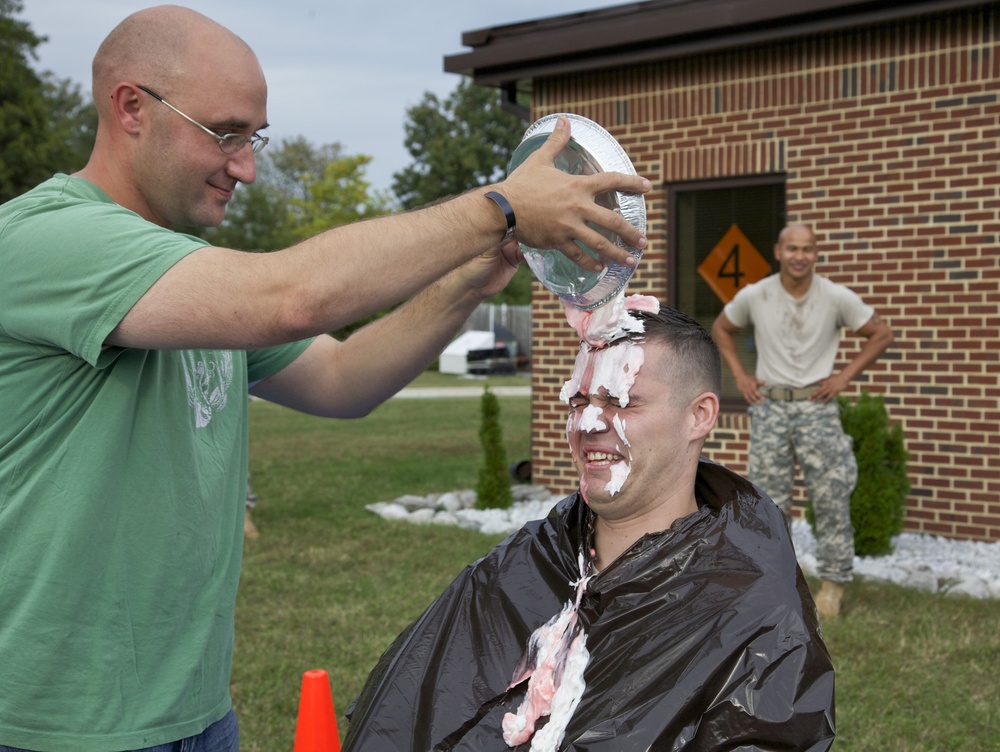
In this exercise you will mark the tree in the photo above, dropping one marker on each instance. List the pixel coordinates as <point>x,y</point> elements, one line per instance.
<point>463,142</point>
<point>493,485</point>
<point>460,143</point>
<point>45,126</point>
<point>301,189</point>
<point>72,123</point>
<point>337,195</point>
<point>878,503</point>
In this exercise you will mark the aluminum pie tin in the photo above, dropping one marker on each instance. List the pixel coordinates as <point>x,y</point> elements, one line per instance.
<point>590,150</point>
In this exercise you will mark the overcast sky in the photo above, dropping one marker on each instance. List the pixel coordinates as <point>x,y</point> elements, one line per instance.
<point>338,72</point>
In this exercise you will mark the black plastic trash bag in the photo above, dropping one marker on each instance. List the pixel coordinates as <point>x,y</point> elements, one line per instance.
<point>703,637</point>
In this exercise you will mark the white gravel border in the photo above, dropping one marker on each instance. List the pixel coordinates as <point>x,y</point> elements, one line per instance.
<point>930,563</point>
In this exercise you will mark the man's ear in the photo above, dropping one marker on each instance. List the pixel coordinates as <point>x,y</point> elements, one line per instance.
<point>704,413</point>
<point>126,108</point>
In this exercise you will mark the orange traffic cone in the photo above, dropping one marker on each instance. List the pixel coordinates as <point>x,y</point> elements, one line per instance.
<point>316,727</point>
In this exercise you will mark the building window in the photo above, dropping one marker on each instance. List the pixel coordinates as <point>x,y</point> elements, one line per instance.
<point>722,236</point>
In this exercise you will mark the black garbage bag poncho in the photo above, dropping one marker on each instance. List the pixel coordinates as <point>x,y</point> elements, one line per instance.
<point>702,637</point>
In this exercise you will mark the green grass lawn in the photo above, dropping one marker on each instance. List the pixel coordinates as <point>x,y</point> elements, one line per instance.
<point>329,585</point>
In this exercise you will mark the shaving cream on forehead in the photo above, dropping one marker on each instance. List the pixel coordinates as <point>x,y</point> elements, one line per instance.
<point>610,321</point>
<point>610,372</point>
<point>597,365</point>
<point>613,370</point>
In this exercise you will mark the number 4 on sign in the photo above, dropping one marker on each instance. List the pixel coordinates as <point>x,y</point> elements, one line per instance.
<point>733,264</point>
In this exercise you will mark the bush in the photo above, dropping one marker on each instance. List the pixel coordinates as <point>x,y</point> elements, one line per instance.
<point>493,487</point>
<point>879,499</point>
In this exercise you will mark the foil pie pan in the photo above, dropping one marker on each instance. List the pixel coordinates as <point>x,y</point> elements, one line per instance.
<point>590,150</point>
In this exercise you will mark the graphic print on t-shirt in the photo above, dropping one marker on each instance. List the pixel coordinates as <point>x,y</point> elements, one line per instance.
<point>209,374</point>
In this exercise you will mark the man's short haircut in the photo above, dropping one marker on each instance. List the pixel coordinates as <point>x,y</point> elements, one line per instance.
<point>694,359</point>
<point>791,225</point>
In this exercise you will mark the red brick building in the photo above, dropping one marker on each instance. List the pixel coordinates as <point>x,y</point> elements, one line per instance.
<point>877,123</point>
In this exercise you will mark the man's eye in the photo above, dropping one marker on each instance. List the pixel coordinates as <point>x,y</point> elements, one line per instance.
<point>600,402</point>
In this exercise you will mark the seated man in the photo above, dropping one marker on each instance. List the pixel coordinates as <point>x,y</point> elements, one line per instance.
<point>659,608</point>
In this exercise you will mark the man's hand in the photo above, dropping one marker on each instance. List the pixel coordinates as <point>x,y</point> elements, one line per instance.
<point>489,273</point>
<point>554,209</point>
<point>724,334</point>
<point>878,336</point>
<point>749,387</point>
<point>829,388</point>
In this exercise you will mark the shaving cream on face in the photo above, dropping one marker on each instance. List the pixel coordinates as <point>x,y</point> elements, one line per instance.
<point>591,420</point>
<point>554,665</point>
<point>619,474</point>
<point>619,425</point>
<point>608,372</point>
<point>612,368</point>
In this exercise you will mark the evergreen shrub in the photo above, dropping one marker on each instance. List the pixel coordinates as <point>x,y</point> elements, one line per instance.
<point>493,486</point>
<point>879,499</point>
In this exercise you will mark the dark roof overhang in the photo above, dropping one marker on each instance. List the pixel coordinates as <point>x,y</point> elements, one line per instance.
<point>510,57</point>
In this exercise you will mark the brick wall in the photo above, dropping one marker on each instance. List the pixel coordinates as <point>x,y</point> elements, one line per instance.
<point>889,139</point>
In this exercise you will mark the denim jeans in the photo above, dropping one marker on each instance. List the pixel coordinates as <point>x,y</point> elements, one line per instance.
<point>221,736</point>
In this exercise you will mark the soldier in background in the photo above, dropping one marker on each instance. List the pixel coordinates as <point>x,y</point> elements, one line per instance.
<point>797,317</point>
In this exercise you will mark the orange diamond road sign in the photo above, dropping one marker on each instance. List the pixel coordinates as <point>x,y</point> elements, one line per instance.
<point>733,264</point>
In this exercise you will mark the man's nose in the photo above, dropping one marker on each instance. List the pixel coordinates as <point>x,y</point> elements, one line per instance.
<point>242,165</point>
<point>592,420</point>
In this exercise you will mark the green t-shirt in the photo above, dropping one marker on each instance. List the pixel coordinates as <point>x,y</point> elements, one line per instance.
<point>122,484</point>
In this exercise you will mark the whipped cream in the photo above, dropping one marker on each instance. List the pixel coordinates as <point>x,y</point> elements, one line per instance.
<point>608,371</point>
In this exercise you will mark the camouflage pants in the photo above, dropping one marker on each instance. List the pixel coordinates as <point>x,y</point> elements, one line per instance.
<point>810,433</point>
<point>251,496</point>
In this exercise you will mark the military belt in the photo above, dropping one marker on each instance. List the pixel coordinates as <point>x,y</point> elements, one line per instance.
<point>789,394</point>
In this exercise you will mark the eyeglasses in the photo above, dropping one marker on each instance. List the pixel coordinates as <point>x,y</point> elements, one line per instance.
<point>229,143</point>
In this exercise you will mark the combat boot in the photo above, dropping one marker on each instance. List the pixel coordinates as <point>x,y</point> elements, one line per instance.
<point>249,529</point>
<point>828,600</point>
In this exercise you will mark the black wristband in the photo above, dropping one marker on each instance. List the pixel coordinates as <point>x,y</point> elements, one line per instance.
<point>508,213</point>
